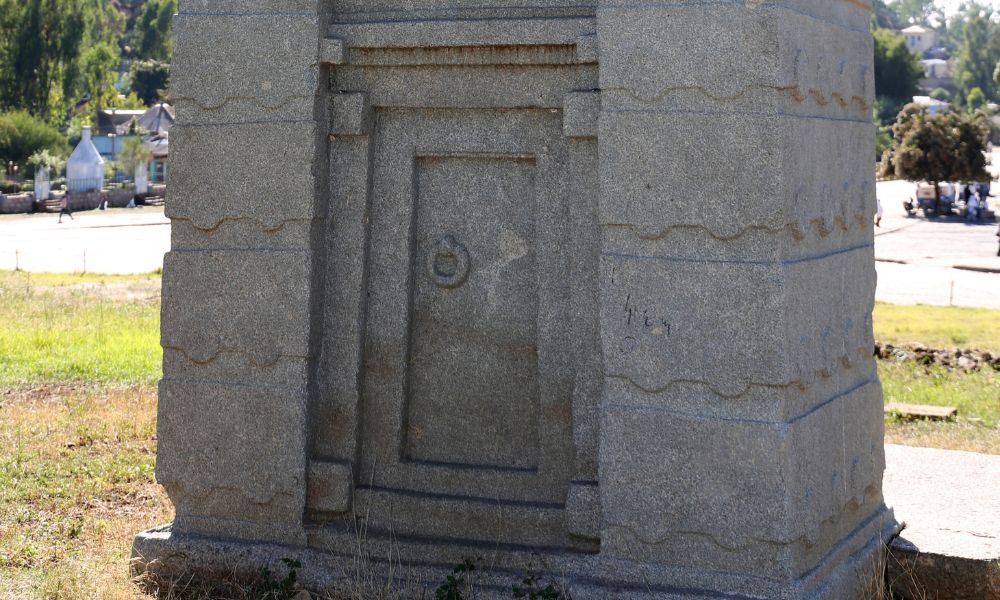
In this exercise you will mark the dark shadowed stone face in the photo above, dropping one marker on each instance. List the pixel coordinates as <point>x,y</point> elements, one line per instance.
<point>362,10</point>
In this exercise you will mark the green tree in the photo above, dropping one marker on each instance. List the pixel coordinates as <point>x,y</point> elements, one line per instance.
<point>914,11</point>
<point>897,70</point>
<point>22,135</point>
<point>49,160</point>
<point>49,52</point>
<point>99,66</point>
<point>884,17</point>
<point>936,148</point>
<point>10,16</point>
<point>49,36</point>
<point>150,79</point>
<point>975,100</point>
<point>130,102</point>
<point>133,154</point>
<point>941,94</point>
<point>153,30</point>
<point>979,53</point>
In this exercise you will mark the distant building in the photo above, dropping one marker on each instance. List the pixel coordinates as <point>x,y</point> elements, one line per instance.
<point>934,107</point>
<point>919,39</point>
<point>115,126</point>
<point>938,73</point>
<point>935,68</point>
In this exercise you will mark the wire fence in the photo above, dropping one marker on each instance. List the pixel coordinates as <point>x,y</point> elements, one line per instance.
<point>91,260</point>
<point>937,287</point>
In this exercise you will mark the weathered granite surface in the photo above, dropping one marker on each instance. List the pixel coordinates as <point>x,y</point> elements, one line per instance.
<point>583,288</point>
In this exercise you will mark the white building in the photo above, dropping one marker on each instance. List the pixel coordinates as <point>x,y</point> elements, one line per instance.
<point>919,39</point>
<point>934,107</point>
<point>85,168</point>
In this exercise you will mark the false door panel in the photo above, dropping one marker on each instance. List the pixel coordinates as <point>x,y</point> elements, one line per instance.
<point>467,386</point>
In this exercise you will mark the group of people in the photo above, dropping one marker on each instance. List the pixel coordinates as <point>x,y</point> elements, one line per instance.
<point>976,202</point>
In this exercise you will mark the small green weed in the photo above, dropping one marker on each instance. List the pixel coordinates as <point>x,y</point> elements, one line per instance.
<point>533,591</point>
<point>284,589</point>
<point>459,585</point>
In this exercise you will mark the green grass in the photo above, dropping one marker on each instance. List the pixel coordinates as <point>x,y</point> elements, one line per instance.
<point>78,328</point>
<point>975,395</point>
<point>938,326</point>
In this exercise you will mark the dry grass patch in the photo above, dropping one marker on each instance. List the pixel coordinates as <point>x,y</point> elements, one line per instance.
<point>76,483</point>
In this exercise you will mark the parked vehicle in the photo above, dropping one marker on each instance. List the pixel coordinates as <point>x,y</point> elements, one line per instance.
<point>930,203</point>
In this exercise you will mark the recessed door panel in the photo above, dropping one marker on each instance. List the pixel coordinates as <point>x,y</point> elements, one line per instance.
<point>472,394</point>
<point>464,392</point>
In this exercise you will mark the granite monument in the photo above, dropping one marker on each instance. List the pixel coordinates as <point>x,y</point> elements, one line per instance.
<point>582,287</point>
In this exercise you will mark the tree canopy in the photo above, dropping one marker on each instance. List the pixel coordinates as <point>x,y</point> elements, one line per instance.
<point>51,51</point>
<point>914,11</point>
<point>22,135</point>
<point>979,53</point>
<point>935,148</point>
<point>150,79</point>
<point>152,31</point>
<point>56,53</point>
<point>897,70</point>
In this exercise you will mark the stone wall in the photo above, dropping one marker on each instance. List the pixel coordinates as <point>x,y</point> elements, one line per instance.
<point>119,197</point>
<point>16,203</point>
<point>736,191</point>
<point>85,200</point>
<point>593,281</point>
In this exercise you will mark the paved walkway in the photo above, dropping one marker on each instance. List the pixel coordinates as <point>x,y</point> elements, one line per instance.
<point>950,504</point>
<point>120,241</point>
<point>940,261</point>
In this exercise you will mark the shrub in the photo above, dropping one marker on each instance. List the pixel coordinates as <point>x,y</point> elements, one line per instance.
<point>22,135</point>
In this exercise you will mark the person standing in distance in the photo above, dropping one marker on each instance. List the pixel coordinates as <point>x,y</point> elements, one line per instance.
<point>64,207</point>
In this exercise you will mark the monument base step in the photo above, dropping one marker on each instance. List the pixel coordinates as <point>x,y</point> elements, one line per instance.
<point>461,519</point>
<point>337,561</point>
<point>949,548</point>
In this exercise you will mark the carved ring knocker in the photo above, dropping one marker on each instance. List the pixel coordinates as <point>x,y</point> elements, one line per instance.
<point>448,263</point>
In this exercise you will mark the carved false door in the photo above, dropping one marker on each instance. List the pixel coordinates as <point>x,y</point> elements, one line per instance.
<point>469,344</point>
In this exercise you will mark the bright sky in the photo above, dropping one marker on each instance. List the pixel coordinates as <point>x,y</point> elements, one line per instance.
<point>951,6</point>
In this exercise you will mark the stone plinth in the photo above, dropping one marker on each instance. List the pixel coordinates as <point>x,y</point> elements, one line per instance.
<point>586,282</point>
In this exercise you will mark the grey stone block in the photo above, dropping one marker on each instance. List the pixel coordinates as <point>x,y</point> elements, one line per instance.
<point>277,7</point>
<point>223,172</point>
<point>331,487</point>
<point>696,502</point>
<point>232,458</point>
<point>245,233</point>
<point>269,59</point>
<point>728,315</point>
<point>229,301</point>
<point>582,112</point>
<point>949,547</point>
<point>350,114</point>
